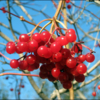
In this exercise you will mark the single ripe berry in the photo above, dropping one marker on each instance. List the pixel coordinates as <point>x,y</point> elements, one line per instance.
<point>42,51</point>
<point>80,78</point>
<point>99,87</point>
<point>81,58</point>
<point>10,47</point>
<point>14,63</point>
<point>57,57</point>
<point>33,45</point>
<point>11,89</point>
<point>22,86</point>
<point>63,77</point>
<point>70,35</point>
<point>23,46</point>
<point>67,84</point>
<point>94,93</point>
<point>69,6</point>
<point>55,72</point>
<point>67,1</point>
<point>71,62</point>
<point>55,47</point>
<point>81,68</point>
<point>65,53</point>
<point>31,59</point>
<point>45,35</point>
<point>62,40</point>
<point>23,65</point>
<point>90,57</point>
<point>37,37</point>
<point>23,38</point>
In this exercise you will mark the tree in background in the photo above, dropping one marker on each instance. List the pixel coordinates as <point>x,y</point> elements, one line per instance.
<point>62,61</point>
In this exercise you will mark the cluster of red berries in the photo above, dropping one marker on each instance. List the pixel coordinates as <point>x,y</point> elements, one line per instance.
<point>94,93</point>
<point>55,61</point>
<point>68,6</point>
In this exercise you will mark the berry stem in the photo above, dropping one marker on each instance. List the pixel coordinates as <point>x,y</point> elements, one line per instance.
<point>5,56</point>
<point>87,48</point>
<point>19,74</point>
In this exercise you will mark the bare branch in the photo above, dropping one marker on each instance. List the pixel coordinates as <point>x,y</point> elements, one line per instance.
<point>9,19</point>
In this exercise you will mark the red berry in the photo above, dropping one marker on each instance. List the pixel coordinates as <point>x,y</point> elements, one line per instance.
<point>63,77</point>
<point>22,86</point>
<point>23,46</point>
<point>99,87</point>
<point>71,62</point>
<point>43,75</point>
<point>3,9</point>
<point>65,53</point>
<point>55,47</point>
<point>18,50</point>
<point>11,89</point>
<point>31,59</point>
<point>90,57</point>
<point>57,57</point>
<point>94,93</point>
<point>55,72</point>
<point>70,35</point>
<point>45,35</point>
<point>35,65</point>
<point>62,40</point>
<point>80,78</point>
<point>81,58</point>
<point>70,77</point>
<point>67,84</point>
<point>77,48</point>
<point>23,38</point>
<point>69,6</point>
<point>42,51</point>
<point>23,65</point>
<point>81,68</point>
<point>10,47</point>
<point>67,1</point>
<point>30,68</point>
<point>51,78</point>
<point>14,63</point>
<point>49,54</point>
<point>33,45</point>
<point>59,66</point>
<point>74,72</point>
<point>37,37</point>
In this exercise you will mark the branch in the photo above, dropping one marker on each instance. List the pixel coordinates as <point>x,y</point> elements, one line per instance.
<point>87,33</point>
<point>22,74</point>
<point>5,37</point>
<point>24,10</point>
<point>80,94</point>
<point>56,14</point>
<point>57,91</point>
<point>9,19</point>
<point>2,24</point>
